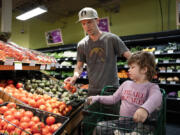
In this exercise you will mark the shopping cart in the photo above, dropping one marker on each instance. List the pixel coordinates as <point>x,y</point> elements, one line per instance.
<point>98,120</point>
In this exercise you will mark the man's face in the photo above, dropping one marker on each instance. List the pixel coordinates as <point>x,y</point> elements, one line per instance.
<point>90,26</point>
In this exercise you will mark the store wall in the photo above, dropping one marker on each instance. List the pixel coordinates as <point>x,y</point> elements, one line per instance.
<point>134,17</point>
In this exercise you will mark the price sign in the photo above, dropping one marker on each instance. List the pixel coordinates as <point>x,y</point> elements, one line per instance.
<point>157,52</point>
<point>9,61</point>
<point>162,71</point>
<point>178,61</point>
<point>169,70</point>
<point>66,58</point>
<point>166,61</point>
<point>74,58</point>
<point>172,82</point>
<point>57,65</point>
<point>156,60</point>
<point>32,63</point>
<point>163,82</point>
<point>170,51</point>
<point>52,64</point>
<point>18,66</point>
<point>42,67</point>
<point>48,67</point>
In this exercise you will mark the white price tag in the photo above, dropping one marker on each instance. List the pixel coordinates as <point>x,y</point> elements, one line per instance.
<point>162,71</point>
<point>163,82</point>
<point>42,67</point>
<point>52,64</point>
<point>157,52</point>
<point>178,70</point>
<point>178,61</point>
<point>84,77</point>
<point>66,58</point>
<point>165,61</point>
<point>156,60</point>
<point>170,51</point>
<point>74,58</point>
<point>57,65</point>
<point>172,82</point>
<point>126,66</point>
<point>9,61</point>
<point>18,66</point>
<point>48,67</point>
<point>73,66</point>
<point>169,70</point>
<point>32,63</point>
<point>178,98</point>
<point>60,66</point>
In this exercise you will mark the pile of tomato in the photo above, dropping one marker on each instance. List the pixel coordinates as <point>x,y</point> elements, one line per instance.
<point>26,122</point>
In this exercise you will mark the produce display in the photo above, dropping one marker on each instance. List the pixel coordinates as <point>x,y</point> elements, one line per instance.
<point>21,120</point>
<point>11,50</point>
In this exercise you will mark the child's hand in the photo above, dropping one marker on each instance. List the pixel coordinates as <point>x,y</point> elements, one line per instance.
<point>140,115</point>
<point>89,101</point>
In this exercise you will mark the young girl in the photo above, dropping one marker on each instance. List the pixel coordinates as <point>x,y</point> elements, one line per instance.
<point>139,97</point>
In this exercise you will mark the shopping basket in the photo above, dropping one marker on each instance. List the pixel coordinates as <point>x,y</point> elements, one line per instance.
<point>99,121</point>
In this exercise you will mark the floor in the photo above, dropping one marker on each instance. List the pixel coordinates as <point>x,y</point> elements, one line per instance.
<point>173,124</point>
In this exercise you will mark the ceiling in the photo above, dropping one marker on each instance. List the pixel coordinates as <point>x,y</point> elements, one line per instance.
<point>62,8</point>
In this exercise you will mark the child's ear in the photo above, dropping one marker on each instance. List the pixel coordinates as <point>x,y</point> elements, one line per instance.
<point>145,69</point>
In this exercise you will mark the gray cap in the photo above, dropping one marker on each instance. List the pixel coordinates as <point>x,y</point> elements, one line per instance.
<point>87,13</point>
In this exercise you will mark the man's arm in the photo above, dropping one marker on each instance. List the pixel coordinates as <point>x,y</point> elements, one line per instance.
<point>78,69</point>
<point>127,54</point>
<point>77,72</point>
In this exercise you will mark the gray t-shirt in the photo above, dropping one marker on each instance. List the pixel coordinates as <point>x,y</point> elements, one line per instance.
<point>101,57</point>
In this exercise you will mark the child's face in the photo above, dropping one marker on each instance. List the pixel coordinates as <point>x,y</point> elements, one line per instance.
<point>135,73</point>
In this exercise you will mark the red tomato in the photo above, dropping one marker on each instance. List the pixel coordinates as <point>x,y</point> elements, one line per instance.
<point>1,101</point>
<point>11,105</point>
<point>19,85</point>
<point>3,109</point>
<point>50,120</point>
<point>10,81</point>
<point>28,114</point>
<point>10,127</point>
<point>35,119</point>
<point>18,115</point>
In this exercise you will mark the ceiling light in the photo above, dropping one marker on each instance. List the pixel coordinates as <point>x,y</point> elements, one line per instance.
<point>32,13</point>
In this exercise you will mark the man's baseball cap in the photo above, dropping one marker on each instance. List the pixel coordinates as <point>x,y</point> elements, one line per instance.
<point>87,13</point>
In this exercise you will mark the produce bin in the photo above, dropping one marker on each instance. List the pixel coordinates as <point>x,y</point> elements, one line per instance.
<point>97,119</point>
<point>42,115</point>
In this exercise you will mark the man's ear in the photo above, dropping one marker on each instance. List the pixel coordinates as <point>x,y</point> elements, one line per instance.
<point>97,20</point>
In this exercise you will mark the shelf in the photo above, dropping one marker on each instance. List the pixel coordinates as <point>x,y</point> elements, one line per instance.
<point>171,98</point>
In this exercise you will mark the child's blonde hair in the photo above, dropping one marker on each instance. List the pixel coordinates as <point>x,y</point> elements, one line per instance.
<point>144,59</point>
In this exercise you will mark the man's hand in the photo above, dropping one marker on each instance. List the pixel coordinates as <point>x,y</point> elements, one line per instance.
<point>70,80</point>
<point>140,115</point>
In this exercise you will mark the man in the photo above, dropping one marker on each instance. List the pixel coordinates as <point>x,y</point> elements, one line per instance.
<point>99,50</point>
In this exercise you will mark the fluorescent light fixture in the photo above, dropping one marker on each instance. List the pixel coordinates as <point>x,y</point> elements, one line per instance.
<point>32,13</point>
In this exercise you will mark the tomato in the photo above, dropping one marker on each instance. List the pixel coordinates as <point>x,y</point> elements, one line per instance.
<point>1,101</point>
<point>11,105</point>
<point>36,128</point>
<point>9,117</point>
<point>3,109</point>
<point>50,120</point>
<point>10,127</point>
<point>35,119</point>
<point>29,114</point>
<point>45,131</point>
<point>31,123</point>
<point>18,115</point>
<point>8,112</point>
<point>15,122</point>
<point>24,125</point>
<point>10,81</point>
<point>25,119</point>
<point>19,85</point>
<point>53,128</point>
